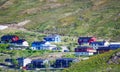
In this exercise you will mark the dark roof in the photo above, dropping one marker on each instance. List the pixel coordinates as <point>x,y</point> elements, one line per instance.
<point>107,48</point>
<point>39,42</point>
<point>85,37</point>
<point>38,60</point>
<point>98,42</point>
<point>65,59</point>
<point>8,37</point>
<point>85,47</point>
<point>19,41</point>
<point>114,45</point>
<point>51,36</point>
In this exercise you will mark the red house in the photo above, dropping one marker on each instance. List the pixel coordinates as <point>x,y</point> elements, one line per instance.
<point>9,38</point>
<point>82,40</point>
<point>84,51</point>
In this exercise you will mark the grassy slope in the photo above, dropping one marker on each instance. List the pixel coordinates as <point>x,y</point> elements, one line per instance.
<point>72,17</point>
<point>96,64</point>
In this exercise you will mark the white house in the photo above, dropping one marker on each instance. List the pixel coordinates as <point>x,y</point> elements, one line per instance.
<point>98,44</point>
<point>64,49</point>
<point>23,62</point>
<point>86,51</point>
<point>19,44</point>
<point>42,45</point>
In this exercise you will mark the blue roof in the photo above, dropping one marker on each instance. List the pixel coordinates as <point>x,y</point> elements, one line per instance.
<point>114,45</point>
<point>19,41</point>
<point>5,37</point>
<point>39,42</point>
<point>98,42</point>
<point>65,59</point>
<point>85,37</point>
<point>38,60</point>
<point>108,48</point>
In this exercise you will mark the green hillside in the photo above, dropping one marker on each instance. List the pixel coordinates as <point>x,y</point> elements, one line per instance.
<point>99,18</point>
<point>107,62</point>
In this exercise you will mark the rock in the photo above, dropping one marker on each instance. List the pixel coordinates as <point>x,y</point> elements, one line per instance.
<point>118,54</point>
<point>115,59</point>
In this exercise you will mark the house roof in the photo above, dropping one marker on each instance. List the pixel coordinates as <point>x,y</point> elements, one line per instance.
<point>38,60</point>
<point>39,42</point>
<point>98,42</point>
<point>84,47</point>
<point>85,37</point>
<point>19,41</point>
<point>8,37</point>
<point>52,36</point>
<point>107,48</point>
<point>66,59</point>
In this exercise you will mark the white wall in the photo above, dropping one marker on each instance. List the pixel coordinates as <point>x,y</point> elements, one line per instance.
<point>26,61</point>
<point>83,53</point>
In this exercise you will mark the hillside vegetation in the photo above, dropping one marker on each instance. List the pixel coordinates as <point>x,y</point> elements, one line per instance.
<point>99,18</point>
<point>107,62</point>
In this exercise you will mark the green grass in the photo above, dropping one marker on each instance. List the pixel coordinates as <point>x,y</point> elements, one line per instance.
<point>99,18</point>
<point>96,63</point>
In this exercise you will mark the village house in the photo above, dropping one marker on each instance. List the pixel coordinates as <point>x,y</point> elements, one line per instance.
<point>97,44</point>
<point>53,38</point>
<point>114,45</point>
<point>19,44</point>
<point>111,46</point>
<point>37,63</point>
<point>86,40</point>
<point>103,49</point>
<point>23,62</point>
<point>64,49</point>
<point>42,45</point>
<point>9,38</point>
<point>63,62</point>
<point>86,51</point>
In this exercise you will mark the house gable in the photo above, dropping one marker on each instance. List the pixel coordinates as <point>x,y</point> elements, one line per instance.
<point>53,38</point>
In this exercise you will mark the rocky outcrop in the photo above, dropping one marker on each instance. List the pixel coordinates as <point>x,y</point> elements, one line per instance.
<point>115,59</point>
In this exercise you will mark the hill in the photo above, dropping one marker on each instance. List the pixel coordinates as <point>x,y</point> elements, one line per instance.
<point>99,18</point>
<point>107,62</point>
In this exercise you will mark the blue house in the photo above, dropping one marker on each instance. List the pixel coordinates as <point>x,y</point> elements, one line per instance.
<point>37,63</point>
<point>20,42</point>
<point>40,45</point>
<point>97,44</point>
<point>63,62</point>
<point>114,46</point>
<point>53,38</point>
<point>111,46</point>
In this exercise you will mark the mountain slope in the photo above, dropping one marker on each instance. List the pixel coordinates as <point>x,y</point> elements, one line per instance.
<point>68,17</point>
<point>107,62</point>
